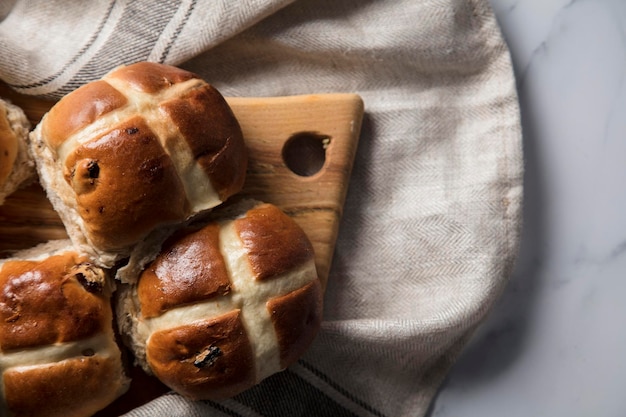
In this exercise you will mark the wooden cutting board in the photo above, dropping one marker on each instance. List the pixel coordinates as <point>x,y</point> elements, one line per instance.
<point>301,152</point>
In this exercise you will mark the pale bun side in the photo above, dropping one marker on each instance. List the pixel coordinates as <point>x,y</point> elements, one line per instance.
<point>16,165</point>
<point>127,158</point>
<point>58,350</point>
<point>59,193</point>
<point>225,304</point>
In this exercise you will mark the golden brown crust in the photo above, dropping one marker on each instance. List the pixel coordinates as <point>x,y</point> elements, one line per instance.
<point>58,353</point>
<point>78,110</point>
<point>75,387</point>
<point>274,242</point>
<point>297,317</point>
<point>209,359</point>
<point>151,77</point>
<point>120,180</point>
<point>8,146</point>
<point>218,148</point>
<point>252,323</point>
<point>190,268</point>
<point>50,301</point>
<point>165,146</point>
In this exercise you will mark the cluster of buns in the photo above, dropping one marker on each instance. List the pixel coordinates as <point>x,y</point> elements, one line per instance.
<point>210,298</point>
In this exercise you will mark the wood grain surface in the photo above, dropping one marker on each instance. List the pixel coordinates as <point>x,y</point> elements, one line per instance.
<point>301,152</point>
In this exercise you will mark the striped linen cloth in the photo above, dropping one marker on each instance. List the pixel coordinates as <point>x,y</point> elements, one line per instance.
<point>432,220</point>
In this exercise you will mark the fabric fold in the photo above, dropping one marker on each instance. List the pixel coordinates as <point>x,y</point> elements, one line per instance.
<point>50,48</point>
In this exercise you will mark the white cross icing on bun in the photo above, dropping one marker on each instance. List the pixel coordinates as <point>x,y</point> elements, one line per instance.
<point>225,305</point>
<point>145,148</point>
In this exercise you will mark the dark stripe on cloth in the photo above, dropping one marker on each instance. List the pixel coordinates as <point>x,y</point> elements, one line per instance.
<point>223,409</point>
<point>339,388</point>
<point>179,29</point>
<point>82,50</point>
<point>288,395</point>
<point>132,40</point>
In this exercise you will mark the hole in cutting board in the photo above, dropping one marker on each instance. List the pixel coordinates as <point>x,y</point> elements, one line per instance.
<point>304,153</point>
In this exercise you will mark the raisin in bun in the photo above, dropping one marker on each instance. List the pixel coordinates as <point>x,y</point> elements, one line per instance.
<point>16,165</point>
<point>58,353</point>
<point>224,305</point>
<point>146,147</point>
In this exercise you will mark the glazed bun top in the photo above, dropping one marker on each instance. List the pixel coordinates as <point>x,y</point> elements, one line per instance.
<point>60,299</point>
<point>147,145</point>
<point>58,352</point>
<point>226,304</point>
<point>263,243</point>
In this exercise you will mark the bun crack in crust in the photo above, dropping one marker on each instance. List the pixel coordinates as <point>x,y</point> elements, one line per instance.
<point>146,147</point>
<point>16,165</point>
<point>58,354</point>
<point>225,305</point>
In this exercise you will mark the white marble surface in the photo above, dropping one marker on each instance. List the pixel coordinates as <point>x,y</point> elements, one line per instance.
<point>555,345</point>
